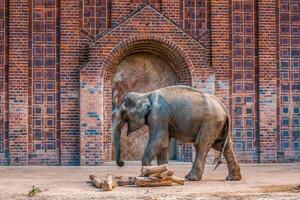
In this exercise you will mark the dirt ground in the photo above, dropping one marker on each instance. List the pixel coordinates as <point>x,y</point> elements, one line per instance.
<point>260,181</point>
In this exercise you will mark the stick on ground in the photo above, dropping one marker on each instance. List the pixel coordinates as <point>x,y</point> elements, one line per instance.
<point>96,181</point>
<point>109,183</point>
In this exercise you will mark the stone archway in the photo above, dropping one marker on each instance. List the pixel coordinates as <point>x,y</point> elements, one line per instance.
<point>179,62</point>
<point>140,72</point>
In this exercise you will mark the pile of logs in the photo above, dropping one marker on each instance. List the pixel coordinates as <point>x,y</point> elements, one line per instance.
<point>157,176</point>
<point>150,177</point>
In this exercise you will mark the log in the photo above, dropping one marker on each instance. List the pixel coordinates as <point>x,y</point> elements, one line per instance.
<point>118,177</point>
<point>130,181</point>
<point>109,183</point>
<point>151,182</point>
<point>148,170</point>
<point>166,178</point>
<point>122,182</point>
<point>96,181</point>
<point>155,175</point>
<point>166,173</point>
<point>177,180</point>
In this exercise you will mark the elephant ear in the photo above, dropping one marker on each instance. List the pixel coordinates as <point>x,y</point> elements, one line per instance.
<point>144,106</point>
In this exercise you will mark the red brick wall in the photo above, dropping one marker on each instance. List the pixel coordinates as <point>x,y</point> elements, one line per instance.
<point>57,58</point>
<point>3,81</point>
<point>267,61</point>
<point>69,82</point>
<point>43,130</point>
<point>243,89</point>
<point>288,84</point>
<point>108,51</point>
<point>18,81</point>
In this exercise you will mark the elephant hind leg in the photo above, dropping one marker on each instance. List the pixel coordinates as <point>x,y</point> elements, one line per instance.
<point>232,164</point>
<point>202,145</point>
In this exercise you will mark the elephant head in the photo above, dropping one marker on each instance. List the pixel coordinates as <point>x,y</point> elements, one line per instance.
<point>132,111</point>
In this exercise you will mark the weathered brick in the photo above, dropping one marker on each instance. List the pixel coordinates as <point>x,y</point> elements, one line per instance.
<point>58,58</point>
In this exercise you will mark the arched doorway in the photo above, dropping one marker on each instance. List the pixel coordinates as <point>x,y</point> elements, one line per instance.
<point>157,48</point>
<point>140,72</point>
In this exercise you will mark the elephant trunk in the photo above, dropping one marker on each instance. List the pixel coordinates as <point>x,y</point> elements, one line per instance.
<point>117,140</point>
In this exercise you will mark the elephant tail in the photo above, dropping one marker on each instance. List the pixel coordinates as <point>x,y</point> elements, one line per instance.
<point>225,135</point>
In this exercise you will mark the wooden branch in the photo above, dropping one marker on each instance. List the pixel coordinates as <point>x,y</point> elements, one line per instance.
<point>148,170</point>
<point>109,183</point>
<point>151,182</point>
<point>96,181</point>
<point>130,181</point>
<point>166,173</point>
<point>177,180</point>
<point>118,177</point>
<point>155,175</point>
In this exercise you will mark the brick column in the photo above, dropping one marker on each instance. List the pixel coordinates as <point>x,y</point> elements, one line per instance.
<point>220,47</point>
<point>69,81</point>
<point>18,81</point>
<point>267,79</point>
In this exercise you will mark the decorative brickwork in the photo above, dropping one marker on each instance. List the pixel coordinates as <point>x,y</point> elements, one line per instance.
<point>195,16</point>
<point>288,121</point>
<point>44,72</point>
<point>124,40</point>
<point>243,67</point>
<point>94,15</point>
<point>59,60</point>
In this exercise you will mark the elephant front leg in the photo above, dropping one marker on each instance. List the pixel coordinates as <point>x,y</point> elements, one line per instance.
<point>157,136</point>
<point>162,157</point>
<point>152,150</point>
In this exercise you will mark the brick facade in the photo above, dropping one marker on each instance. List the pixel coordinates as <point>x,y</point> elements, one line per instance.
<point>58,59</point>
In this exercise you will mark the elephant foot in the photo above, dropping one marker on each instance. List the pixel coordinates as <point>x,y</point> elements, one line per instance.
<point>193,177</point>
<point>232,177</point>
<point>162,162</point>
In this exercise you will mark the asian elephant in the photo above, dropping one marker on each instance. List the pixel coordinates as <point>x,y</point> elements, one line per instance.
<point>181,112</point>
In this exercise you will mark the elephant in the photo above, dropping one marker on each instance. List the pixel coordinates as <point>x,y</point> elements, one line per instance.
<point>181,112</point>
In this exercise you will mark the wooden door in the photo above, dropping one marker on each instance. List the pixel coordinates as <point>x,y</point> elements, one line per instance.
<point>140,72</point>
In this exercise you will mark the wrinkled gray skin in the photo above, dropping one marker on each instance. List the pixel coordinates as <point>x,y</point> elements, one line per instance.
<point>181,112</point>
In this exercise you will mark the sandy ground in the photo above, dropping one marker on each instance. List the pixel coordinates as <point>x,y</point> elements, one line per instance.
<point>263,182</point>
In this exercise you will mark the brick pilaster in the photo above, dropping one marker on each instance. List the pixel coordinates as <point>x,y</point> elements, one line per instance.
<point>69,84</point>
<point>18,81</point>
<point>267,79</point>
<point>220,47</point>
